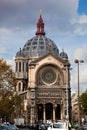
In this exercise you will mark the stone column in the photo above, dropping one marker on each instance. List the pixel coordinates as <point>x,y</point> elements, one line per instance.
<point>31,116</point>
<point>54,113</point>
<point>44,113</point>
<point>62,110</point>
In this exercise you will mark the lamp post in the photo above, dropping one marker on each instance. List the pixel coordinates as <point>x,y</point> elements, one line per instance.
<point>78,62</point>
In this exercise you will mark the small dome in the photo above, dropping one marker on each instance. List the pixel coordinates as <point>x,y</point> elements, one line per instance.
<point>63,55</point>
<point>20,53</point>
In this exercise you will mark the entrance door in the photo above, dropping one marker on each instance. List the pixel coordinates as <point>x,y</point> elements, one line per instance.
<point>40,112</point>
<point>49,111</point>
<point>58,112</point>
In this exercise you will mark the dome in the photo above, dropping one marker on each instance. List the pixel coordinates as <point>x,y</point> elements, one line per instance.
<point>63,55</point>
<point>20,53</point>
<point>39,45</point>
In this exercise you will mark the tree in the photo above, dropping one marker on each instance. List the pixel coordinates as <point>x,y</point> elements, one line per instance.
<point>7,76</point>
<point>9,100</point>
<point>83,101</point>
<point>6,107</point>
<point>9,105</point>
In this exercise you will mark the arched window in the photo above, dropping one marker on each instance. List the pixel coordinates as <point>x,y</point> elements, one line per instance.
<point>16,67</point>
<point>26,67</point>
<point>19,66</point>
<point>19,87</point>
<point>24,87</point>
<point>23,67</point>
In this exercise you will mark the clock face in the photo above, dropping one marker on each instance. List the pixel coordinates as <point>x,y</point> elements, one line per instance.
<point>48,76</point>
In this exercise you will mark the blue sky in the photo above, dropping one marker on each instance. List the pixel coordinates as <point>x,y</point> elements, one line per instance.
<point>65,23</point>
<point>82,9</point>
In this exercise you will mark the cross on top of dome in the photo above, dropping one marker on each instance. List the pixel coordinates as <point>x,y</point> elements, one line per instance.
<point>40,25</point>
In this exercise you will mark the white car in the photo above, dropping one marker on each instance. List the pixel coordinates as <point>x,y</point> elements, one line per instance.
<point>58,126</point>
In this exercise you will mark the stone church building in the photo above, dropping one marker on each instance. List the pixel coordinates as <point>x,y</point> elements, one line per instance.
<point>43,79</point>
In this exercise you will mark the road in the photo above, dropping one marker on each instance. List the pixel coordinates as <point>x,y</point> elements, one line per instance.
<point>23,129</point>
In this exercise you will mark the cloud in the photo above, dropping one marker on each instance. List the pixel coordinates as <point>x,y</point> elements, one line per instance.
<point>2,49</point>
<point>83,74</point>
<point>79,25</point>
<point>25,13</point>
<point>81,53</point>
<point>4,33</point>
<point>59,16</point>
<point>12,63</point>
<point>83,19</point>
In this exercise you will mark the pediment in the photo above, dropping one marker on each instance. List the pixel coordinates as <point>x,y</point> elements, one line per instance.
<point>49,59</point>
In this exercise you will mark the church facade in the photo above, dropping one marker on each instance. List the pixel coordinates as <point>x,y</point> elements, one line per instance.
<point>43,79</point>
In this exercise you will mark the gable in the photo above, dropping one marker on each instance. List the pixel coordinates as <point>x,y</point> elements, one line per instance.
<point>49,59</point>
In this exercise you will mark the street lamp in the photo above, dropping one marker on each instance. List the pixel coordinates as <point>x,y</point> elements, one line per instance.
<point>78,62</point>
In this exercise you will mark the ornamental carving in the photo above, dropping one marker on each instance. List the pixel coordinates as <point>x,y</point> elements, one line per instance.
<point>43,93</point>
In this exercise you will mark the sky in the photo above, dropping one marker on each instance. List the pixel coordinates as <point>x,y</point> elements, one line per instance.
<point>65,23</point>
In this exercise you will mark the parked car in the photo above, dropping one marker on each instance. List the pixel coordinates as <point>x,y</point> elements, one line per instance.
<point>11,127</point>
<point>2,127</point>
<point>83,127</point>
<point>58,126</point>
<point>42,126</point>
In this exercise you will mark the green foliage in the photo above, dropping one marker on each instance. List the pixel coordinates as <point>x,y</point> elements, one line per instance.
<point>83,101</point>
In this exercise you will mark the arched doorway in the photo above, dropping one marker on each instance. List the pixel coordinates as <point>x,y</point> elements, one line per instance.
<point>40,112</point>
<point>49,111</point>
<point>58,112</point>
